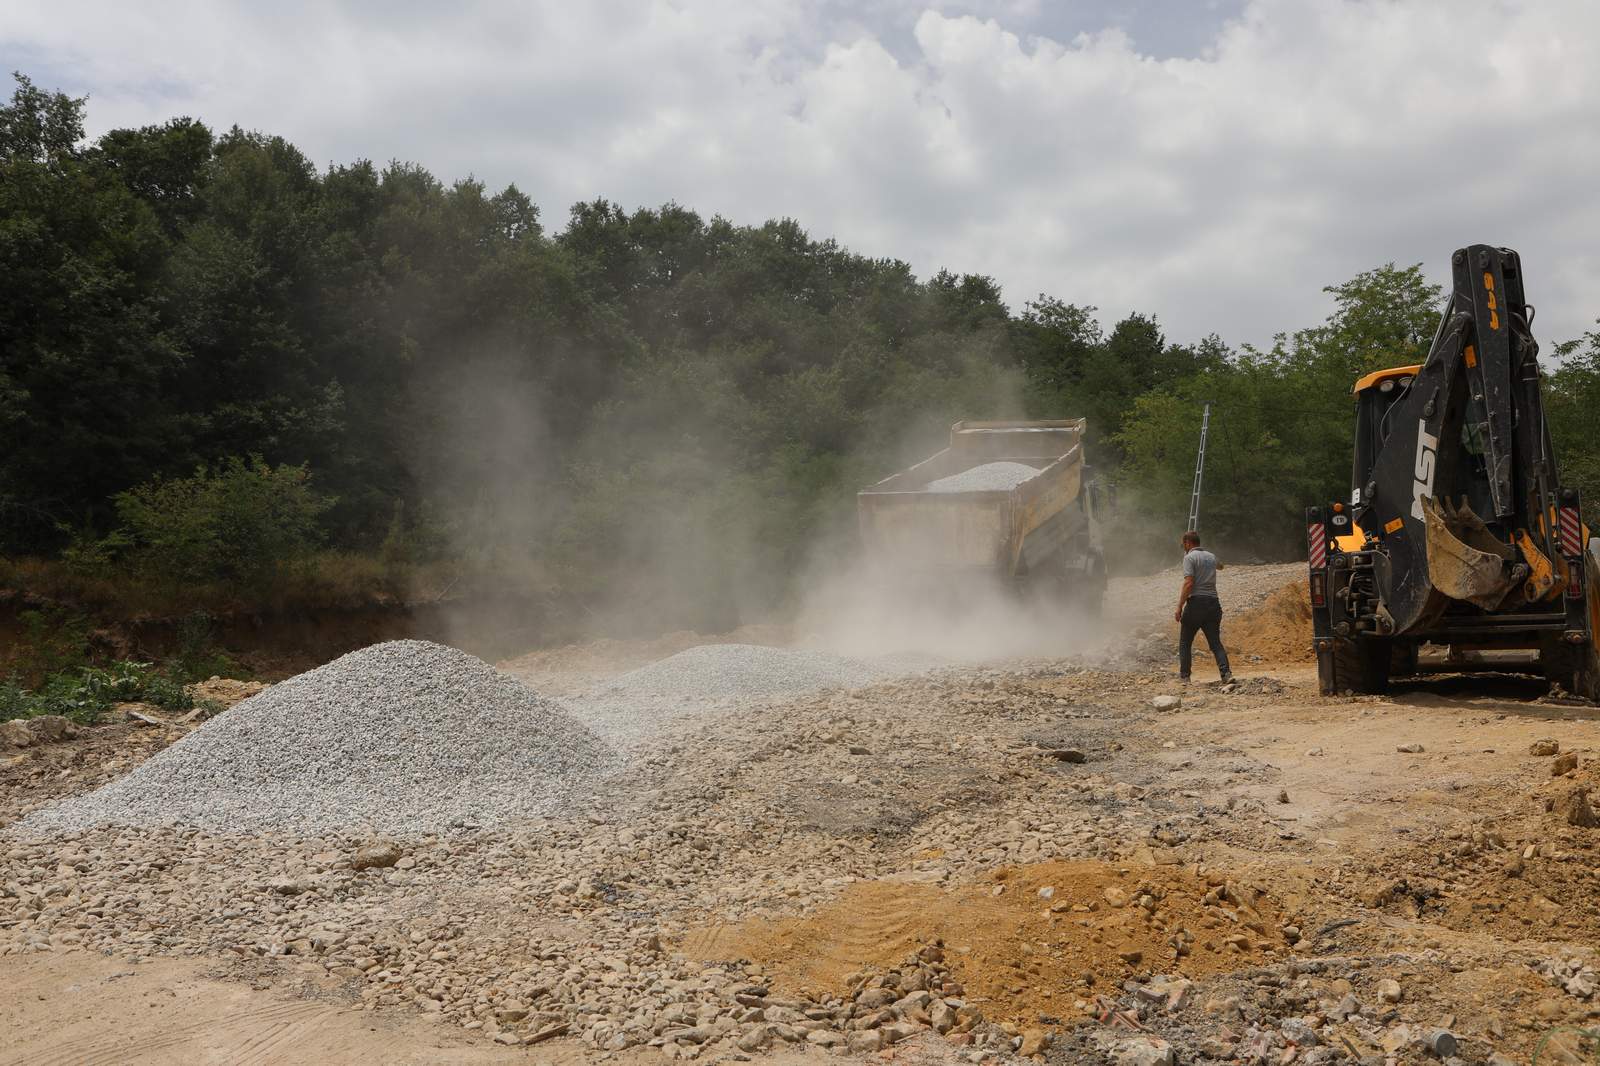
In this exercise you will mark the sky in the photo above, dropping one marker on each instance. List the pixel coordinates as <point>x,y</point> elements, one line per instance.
<point>1213,163</point>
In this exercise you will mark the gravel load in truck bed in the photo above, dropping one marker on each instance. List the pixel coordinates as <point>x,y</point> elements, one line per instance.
<point>401,737</point>
<point>990,477</point>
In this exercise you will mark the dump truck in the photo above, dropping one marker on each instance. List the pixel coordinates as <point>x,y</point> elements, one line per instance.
<point>1007,502</point>
<point>1458,531</point>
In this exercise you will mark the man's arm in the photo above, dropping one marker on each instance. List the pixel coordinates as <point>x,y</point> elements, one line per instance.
<point>1183,597</point>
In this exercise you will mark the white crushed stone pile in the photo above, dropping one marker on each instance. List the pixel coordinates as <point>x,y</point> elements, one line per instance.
<point>401,737</point>
<point>737,670</point>
<point>699,683</point>
<point>990,477</point>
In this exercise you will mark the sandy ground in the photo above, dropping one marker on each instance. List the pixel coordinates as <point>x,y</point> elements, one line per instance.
<point>1411,838</point>
<point>76,1009</point>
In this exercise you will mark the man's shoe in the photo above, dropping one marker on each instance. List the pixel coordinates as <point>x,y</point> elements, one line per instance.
<point>1227,678</point>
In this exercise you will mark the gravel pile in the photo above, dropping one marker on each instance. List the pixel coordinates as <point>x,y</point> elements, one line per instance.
<point>401,737</point>
<point>701,683</point>
<point>724,671</point>
<point>990,477</point>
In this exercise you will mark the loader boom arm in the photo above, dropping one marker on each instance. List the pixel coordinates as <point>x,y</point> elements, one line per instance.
<point>1469,427</point>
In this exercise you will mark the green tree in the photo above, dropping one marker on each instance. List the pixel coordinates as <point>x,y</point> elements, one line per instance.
<point>1282,418</point>
<point>83,353</point>
<point>1572,406</point>
<point>242,521</point>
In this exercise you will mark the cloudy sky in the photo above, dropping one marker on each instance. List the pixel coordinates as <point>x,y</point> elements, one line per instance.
<point>1214,161</point>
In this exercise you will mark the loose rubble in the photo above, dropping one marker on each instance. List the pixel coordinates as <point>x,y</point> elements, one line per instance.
<point>980,864</point>
<point>45,729</point>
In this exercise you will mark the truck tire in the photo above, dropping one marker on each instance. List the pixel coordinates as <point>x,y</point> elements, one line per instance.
<point>1090,596</point>
<point>1358,666</point>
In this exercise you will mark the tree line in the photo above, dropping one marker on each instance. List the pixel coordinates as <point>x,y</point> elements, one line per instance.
<point>632,409</point>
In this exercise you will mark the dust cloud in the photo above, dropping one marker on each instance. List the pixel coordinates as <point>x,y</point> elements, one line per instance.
<point>873,612</point>
<point>647,514</point>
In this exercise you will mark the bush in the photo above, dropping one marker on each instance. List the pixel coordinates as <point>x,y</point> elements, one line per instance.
<point>54,641</point>
<point>87,694</point>
<point>244,522</point>
<point>197,656</point>
<point>13,701</point>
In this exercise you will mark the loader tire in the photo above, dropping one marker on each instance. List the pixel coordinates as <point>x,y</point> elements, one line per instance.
<point>1403,658</point>
<point>1573,667</point>
<point>1358,666</point>
<point>1576,667</point>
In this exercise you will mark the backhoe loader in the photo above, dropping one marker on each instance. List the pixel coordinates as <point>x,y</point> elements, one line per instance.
<point>1458,532</point>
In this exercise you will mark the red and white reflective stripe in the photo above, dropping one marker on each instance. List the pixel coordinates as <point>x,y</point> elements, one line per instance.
<point>1571,531</point>
<point>1317,538</point>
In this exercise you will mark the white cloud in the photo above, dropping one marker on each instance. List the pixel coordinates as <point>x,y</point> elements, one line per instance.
<point>1310,139</point>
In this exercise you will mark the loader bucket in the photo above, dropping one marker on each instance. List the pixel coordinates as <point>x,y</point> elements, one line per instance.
<point>1465,560</point>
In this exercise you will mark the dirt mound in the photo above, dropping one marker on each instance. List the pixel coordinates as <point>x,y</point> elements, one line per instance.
<point>225,690</point>
<point>1030,940</point>
<point>1276,631</point>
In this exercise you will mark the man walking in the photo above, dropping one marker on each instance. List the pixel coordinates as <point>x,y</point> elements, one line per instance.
<point>1199,608</point>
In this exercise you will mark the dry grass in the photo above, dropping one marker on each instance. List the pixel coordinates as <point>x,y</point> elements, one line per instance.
<point>331,579</point>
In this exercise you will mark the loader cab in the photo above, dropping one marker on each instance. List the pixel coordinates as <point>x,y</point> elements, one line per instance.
<point>1376,394</point>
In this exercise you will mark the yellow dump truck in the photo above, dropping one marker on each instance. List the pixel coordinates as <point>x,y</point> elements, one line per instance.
<point>1012,501</point>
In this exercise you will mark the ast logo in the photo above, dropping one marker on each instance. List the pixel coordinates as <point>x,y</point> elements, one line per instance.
<point>1427,447</point>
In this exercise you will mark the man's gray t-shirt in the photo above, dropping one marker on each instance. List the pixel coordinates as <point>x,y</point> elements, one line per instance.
<point>1202,566</point>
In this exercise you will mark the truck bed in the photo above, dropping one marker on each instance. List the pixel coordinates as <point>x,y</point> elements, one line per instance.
<point>1006,530</point>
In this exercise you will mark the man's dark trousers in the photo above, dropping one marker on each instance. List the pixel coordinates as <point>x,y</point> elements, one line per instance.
<point>1202,613</point>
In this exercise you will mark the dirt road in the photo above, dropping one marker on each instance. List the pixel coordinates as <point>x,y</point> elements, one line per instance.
<point>982,861</point>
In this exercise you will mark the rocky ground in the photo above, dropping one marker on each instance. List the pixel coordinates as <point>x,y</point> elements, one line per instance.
<point>1071,860</point>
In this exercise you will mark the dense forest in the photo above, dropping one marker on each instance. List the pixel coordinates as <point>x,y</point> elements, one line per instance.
<point>218,363</point>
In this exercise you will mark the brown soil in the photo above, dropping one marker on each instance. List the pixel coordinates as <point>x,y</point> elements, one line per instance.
<point>1468,879</point>
<point>80,1009</point>
<point>1032,940</point>
<point>225,691</point>
<point>1278,631</point>
<point>44,773</point>
<point>1274,631</point>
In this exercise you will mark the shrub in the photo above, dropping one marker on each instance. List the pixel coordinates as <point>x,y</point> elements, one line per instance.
<point>243,522</point>
<point>54,640</point>
<point>75,697</point>
<point>197,656</point>
<point>88,693</point>
<point>13,701</point>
